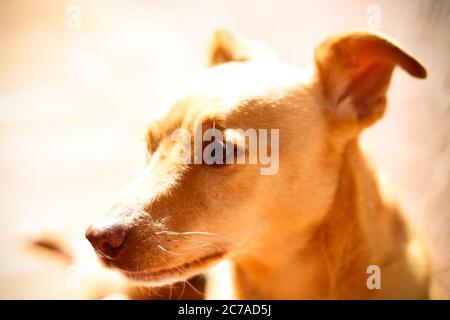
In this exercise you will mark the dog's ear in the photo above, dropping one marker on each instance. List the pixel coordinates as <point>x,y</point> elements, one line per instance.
<point>354,72</point>
<point>227,47</point>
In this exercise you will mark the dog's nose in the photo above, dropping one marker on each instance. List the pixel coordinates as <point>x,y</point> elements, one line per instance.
<point>107,240</point>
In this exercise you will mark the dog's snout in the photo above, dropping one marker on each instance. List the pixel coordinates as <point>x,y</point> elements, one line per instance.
<point>107,240</point>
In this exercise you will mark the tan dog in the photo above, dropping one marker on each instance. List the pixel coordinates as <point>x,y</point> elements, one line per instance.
<point>315,228</point>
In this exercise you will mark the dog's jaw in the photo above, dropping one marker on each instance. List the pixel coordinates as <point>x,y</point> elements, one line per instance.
<point>178,273</point>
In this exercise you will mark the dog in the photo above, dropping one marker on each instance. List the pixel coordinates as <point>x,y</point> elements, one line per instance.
<point>320,226</point>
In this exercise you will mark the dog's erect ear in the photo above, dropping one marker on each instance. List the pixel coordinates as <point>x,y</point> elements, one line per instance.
<point>227,47</point>
<point>355,69</point>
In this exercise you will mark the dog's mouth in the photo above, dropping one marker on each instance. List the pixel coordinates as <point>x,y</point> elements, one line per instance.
<point>174,274</point>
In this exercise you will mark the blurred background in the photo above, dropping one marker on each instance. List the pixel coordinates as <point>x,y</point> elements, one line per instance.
<point>80,79</point>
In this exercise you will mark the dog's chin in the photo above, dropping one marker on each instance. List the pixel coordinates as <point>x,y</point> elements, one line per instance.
<point>182,272</point>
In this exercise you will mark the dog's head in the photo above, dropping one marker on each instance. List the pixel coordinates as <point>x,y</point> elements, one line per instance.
<point>249,149</point>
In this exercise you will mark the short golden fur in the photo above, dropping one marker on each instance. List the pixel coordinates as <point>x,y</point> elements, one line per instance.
<point>308,232</point>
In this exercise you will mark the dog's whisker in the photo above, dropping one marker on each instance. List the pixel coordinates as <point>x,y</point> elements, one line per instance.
<point>204,233</point>
<point>170,292</point>
<point>215,245</point>
<point>200,246</point>
<point>182,290</point>
<point>194,288</point>
<point>167,250</point>
<point>155,291</point>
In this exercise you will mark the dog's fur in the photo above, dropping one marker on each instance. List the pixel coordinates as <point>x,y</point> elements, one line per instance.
<point>308,232</point>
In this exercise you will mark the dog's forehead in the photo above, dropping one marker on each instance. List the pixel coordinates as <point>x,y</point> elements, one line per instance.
<point>243,80</point>
<point>219,90</point>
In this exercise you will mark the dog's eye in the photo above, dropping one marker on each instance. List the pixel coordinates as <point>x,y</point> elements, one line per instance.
<point>234,153</point>
<point>214,153</point>
<point>228,153</point>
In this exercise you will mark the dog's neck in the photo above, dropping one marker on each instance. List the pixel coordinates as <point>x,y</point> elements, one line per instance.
<point>336,252</point>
